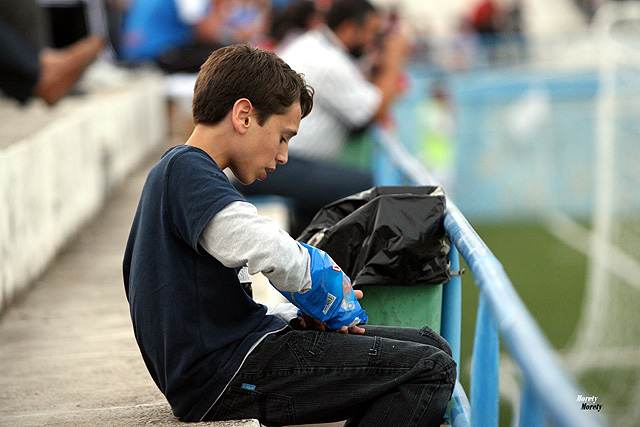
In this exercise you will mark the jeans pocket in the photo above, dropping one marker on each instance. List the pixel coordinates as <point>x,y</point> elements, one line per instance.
<point>278,410</point>
<point>308,346</point>
<point>270,408</point>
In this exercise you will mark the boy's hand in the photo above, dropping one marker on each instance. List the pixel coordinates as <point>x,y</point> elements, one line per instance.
<point>350,330</point>
<point>308,323</point>
<point>353,329</point>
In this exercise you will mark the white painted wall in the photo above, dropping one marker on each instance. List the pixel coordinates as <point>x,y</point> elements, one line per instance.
<point>56,175</point>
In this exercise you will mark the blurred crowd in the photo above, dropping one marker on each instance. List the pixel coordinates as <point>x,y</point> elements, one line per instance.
<point>351,52</point>
<point>39,38</point>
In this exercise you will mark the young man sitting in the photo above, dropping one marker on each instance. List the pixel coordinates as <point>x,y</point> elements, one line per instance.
<point>212,350</point>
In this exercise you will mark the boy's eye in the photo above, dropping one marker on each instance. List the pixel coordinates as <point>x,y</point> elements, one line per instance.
<point>283,140</point>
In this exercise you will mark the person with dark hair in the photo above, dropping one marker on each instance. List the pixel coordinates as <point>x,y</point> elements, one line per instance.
<point>346,101</point>
<point>214,352</point>
<point>297,18</point>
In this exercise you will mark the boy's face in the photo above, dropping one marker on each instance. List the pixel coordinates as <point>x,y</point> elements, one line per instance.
<point>265,147</point>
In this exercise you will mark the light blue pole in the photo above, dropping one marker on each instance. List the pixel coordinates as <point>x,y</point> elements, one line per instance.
<point>452,307</point>
<point>531,412</point>
<point>459,409</point>
<point>484,369</point>
<point>384,171</point>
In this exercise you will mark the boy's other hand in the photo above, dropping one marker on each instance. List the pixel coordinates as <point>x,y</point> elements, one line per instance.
<point>308,323</point>
<point>350,330</point>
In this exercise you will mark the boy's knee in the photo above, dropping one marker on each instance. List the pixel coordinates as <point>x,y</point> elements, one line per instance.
<point>446,348</point>
<point>444,364</point>
<point>438,340</point>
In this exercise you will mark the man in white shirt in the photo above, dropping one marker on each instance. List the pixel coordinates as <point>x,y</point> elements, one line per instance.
<point>345,100</point>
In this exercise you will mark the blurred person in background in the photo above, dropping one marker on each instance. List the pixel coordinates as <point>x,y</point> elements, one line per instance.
<point>28,67</point>
<point>278,6</point>
<point>489,20</point>
<point>179,35</point>
<point>436,127</point>
<point>346,100</point>
<point>294,20</point>
<point>465,46</point>
<point>244,21</point>
<point>72,20</point>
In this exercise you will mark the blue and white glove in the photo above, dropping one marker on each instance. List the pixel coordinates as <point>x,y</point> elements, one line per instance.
<point>330,299</point>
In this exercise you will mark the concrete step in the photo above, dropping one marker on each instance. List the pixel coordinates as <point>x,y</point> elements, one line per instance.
<point>67,352</point>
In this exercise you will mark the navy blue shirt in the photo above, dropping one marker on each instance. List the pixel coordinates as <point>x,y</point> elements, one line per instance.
<point>193,320</point>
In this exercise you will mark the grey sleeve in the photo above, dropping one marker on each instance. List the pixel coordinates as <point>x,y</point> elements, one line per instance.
<point>237,235</point>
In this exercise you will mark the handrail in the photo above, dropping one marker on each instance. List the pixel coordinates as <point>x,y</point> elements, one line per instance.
<point>549,390</point>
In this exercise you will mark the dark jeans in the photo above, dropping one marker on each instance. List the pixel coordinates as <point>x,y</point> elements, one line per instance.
<point>310,185</point>
<point>388,377</point>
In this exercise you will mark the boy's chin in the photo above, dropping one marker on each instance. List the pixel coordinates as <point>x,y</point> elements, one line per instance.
<point>245,181</point>
<point>262,176</point>
<point>249,181</point>
<point>243,178</point>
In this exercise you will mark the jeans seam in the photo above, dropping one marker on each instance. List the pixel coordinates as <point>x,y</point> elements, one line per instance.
<point>316,343</point>
<point>299,357</point>
<point>226,404</point>
<point>448,367</point>
<point>418,417</point>
<point>448,370</point>
<point>236,392</point>
<point>373,352</point>
<point>283,372</point>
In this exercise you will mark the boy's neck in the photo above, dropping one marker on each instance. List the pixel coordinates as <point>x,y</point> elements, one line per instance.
<point>214,141</point>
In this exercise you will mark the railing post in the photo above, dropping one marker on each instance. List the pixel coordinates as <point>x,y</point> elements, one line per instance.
<point>531,412</point>
<point>484,369</point>
<point>384,171</point>
<point>452,307</point>
<point>459,409</point>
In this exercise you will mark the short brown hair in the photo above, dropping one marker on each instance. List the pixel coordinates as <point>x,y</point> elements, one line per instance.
<point>243,71</point>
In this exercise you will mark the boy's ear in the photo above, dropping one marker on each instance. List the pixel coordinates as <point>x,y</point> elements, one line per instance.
<point>241,115</point>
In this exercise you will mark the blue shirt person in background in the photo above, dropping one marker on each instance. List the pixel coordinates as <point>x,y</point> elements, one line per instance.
<point>151,27</point>
<point>181,34</point>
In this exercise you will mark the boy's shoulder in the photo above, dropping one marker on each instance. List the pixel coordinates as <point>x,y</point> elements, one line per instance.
<point>186,158</point>
<point>185,168</point>
<point>184,150</point>
<point>191,169</point>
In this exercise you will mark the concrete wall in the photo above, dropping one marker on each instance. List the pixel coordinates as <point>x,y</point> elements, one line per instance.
<point>57,166</point>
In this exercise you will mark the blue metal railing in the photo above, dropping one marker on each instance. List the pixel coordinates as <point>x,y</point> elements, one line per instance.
<point>548,393</point>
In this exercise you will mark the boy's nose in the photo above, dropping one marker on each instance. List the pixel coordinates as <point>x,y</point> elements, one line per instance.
<point>283,156</point>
